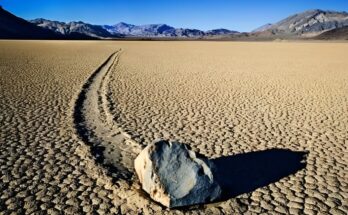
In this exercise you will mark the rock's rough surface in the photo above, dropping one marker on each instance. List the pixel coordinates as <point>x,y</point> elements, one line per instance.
<point>174,176</point>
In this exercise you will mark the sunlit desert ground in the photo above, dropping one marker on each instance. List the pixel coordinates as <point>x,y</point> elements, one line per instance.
<point>60,101</point>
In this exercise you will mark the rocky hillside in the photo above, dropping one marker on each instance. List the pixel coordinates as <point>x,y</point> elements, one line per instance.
<point>263,28</point>
<point>72,28</point>
<point>308,23</point>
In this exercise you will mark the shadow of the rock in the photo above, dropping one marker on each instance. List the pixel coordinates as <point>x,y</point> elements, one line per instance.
<point>243,173</point>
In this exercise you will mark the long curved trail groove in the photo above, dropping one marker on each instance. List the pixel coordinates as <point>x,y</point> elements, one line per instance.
<point>95,125</point>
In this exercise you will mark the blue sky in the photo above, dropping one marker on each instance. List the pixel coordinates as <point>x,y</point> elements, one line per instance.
<point>241,15</point>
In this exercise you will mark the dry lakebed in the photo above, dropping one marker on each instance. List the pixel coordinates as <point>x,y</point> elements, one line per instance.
<point>271,116</point>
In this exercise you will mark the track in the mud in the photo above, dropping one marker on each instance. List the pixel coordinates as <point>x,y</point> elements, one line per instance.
<point>95,126</point>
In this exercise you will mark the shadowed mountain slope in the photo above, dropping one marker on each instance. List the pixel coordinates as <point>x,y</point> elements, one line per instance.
<point>335,34</point>
<point>13,27</point>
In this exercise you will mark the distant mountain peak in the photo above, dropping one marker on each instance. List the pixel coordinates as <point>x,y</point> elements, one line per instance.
<point>122,23</point>
<point>220,31</point>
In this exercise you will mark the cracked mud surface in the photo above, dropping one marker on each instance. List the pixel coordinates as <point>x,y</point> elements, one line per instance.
<point>44,166</point>
<point>229,98</point>
<point>220,98</point>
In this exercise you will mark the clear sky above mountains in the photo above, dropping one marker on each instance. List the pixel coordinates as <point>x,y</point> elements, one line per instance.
<point>240,15</point>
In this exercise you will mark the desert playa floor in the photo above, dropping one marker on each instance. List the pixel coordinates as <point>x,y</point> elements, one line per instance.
<point>273,116</point>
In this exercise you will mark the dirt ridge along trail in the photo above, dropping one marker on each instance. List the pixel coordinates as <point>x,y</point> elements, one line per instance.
<point>110,145</point>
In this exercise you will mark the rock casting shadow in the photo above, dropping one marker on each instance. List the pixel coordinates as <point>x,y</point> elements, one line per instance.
<point>243,173</point>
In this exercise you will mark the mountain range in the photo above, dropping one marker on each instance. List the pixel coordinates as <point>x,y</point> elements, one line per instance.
<point>161,30</point>
<point>70,28</point>
<point>125,30</point>
<point>307,24</point>
<point>13,27</point>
